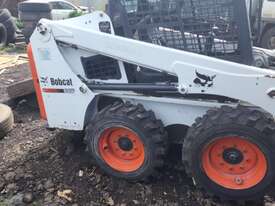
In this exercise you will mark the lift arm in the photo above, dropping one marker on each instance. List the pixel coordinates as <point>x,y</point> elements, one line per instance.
<point>68,94</point>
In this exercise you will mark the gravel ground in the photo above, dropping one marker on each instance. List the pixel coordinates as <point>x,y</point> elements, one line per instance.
<point>36,163</point>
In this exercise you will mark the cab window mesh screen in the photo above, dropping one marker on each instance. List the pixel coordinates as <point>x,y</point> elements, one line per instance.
<point>206,27</point>
<point>101,67</point>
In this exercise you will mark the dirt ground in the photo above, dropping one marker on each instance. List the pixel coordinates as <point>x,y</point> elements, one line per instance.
<point>38,163</point>
<point>43,167</point>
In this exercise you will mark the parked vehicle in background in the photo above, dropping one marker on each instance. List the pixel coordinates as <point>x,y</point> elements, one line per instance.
<point>31,11</point>
<point>262,17</point>
<point>62,9</point>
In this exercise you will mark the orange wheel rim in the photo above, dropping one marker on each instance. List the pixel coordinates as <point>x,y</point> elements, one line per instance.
<point>121,149</point>
<point>234,163</point>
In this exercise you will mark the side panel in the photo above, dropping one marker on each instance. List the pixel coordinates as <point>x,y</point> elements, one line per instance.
<point>65,97</point>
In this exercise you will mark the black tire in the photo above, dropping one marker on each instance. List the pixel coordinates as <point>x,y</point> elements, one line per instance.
<point>34,7</point>
<point>11,29</point>
<point>267,37</point>
<point>143,123</point>
<point>251,125</point>
<point>3,36</point>
<point>6,120</point>
<point>7,20</point>
<point>4,15</point>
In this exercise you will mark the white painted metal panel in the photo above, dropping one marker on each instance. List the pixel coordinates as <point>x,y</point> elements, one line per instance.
<point>245,83</point>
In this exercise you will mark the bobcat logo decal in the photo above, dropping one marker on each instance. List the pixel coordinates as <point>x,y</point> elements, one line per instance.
<point>204,80</point>
<point>44,80</point>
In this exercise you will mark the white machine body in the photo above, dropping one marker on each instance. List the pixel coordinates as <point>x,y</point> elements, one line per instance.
<point>59,45</point>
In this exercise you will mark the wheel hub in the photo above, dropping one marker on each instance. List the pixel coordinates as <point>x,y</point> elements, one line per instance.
<point>125,144</point>
<point>122,149</point>
<point>234,162</point>
<point>232,156</point>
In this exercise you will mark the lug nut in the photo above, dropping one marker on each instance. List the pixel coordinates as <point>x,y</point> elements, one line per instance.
<point>238,181</point>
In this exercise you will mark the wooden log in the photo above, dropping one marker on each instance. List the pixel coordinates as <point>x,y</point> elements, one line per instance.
<point>20,89</point>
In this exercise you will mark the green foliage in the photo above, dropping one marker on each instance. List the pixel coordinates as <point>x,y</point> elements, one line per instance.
<point>75,14</point>
<point>19,24</point>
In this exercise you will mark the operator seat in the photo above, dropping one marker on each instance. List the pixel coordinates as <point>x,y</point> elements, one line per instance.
<point>125,24</point>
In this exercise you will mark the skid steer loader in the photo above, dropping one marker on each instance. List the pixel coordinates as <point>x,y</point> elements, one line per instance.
<point>160,64</point>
